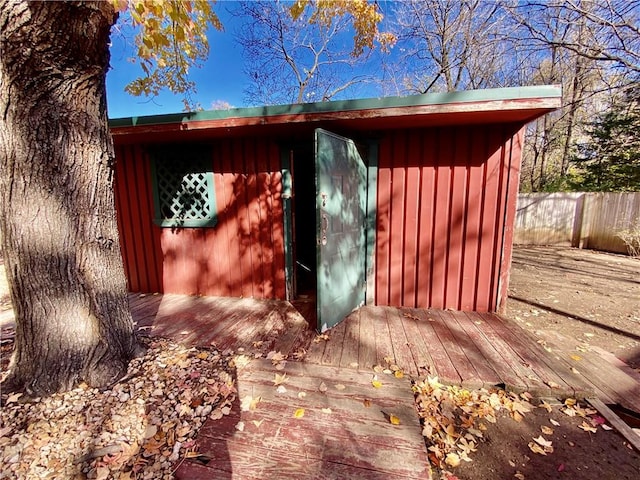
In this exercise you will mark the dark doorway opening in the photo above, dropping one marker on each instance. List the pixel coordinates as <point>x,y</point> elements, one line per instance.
<point>304,223</point>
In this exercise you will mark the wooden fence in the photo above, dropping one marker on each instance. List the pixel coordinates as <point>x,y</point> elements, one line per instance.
<point>584,220</point>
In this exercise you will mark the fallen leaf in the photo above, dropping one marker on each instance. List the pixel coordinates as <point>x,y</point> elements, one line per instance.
<point>535,448</point>
<point>257,423</point>
<point>561,467</point>
<point>248,403</point>
<point>375,382</point>
<point>452,459</point>
<point>328,411</point>
<point>606,427</point>
<point>519,475</point>
<point>281,389</point>
<point>587,428</point>
<point>573,370</point>
<point>280,379</point>
<point>366,402</point>
<point>240,426</point>
<point>543,441</point>
<point>393,420</point>
<point>302,394</point>
<point>398,374</point>
<point>299,413</point>
<point>575,357</point>
<point>546,430</point>
<point>14,397</point>
<point>339,386</point>
<point>545,405</point>
<point>150,431</point>
<point>323,387</point>
<point>554,422</point>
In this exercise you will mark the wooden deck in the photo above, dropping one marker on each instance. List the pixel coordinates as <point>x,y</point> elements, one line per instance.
<point>344,431</point>
<point>468,349</point>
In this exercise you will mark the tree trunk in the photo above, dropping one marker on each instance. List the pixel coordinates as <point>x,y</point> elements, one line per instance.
<point>57,211</point>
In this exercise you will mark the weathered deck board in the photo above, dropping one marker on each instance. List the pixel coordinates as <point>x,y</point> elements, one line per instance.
<point>419,351</point>
<point>444,367</point>
<point>351,440</point>
<point>351,345</point>
<point>458,323</point>
<point>402,354</point>
<point>612,383</point>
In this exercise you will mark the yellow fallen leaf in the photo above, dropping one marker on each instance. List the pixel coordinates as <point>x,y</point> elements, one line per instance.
<point>575,357</point>
<point>546,406</point>
<point>299,413</point>
<point>588,428</point>
<point>257,423</point>
<point>203,355</point>
<point>452,459</point>
<point>398,374</point>
<point>375,382</point>
<point>280,379</point>
<point>546,430</point>
<point>394,420</point>
<point>570,402</point>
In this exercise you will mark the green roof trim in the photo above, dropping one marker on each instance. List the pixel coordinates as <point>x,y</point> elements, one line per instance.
<point>468,96</point>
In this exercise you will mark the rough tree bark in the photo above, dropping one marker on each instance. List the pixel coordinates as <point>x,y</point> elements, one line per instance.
<point>57,212</point>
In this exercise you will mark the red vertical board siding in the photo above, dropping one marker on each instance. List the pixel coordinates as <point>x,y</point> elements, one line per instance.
<point>457,219</point>
<point>442,195</point>
<point>412,202</point>
<point>426,208</point>
<point>243,255</point>
<point>513,178</point>
<point>473,206</point>
<point>398,220</point>
<point>441,232</point>
<point>383,224</point>
<point>276,217</point>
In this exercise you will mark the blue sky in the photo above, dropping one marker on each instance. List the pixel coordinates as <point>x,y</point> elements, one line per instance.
<point>221,77</point>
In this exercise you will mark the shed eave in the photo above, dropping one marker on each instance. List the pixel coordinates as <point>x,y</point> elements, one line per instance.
<point>519,104</point>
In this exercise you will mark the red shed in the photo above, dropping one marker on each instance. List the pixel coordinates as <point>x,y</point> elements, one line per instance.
<point>404,201</point>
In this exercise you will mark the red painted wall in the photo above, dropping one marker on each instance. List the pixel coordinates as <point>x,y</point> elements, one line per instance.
<point>443,196</point>
<point>243,255</point>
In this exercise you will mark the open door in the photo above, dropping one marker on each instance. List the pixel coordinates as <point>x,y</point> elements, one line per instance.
<point>340,226</point>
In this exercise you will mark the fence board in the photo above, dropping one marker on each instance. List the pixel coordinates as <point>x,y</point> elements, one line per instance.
<point>586,220</point>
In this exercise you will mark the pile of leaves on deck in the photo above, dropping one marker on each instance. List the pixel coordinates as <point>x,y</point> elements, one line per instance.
<point>454,420</point>
<point>141,428</point>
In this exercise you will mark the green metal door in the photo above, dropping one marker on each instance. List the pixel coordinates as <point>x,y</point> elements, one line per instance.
<point>340,213</point>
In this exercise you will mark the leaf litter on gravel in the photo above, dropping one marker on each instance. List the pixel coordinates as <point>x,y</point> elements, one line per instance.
<point>454,420</point>
<point>141,428</point>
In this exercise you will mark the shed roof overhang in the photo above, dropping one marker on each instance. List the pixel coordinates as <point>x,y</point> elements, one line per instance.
<point>514,105</point>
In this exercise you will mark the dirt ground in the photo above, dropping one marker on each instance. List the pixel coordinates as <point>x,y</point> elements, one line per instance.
<point>590,297</point>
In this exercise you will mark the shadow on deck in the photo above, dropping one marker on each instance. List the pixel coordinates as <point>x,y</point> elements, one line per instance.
<point>465,348</point>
